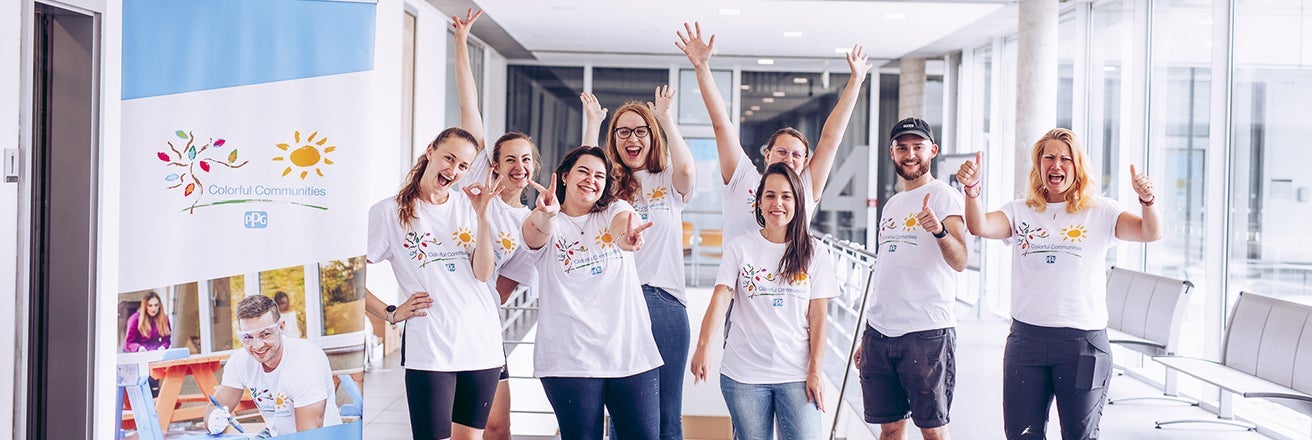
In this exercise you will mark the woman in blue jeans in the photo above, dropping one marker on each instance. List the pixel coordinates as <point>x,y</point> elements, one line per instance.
<point>594,344</point>
<point>654,172</point>
<point>774,348</point>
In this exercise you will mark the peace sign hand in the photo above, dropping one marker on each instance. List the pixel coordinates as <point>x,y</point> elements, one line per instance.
<point>547,198</point>
<point>483,193</point>
<point>631,238</point>
<point>928,219</point>
<point>698,52</point>
<point>462,26</point>
<point>1143,186</point>
<point>664,98</point>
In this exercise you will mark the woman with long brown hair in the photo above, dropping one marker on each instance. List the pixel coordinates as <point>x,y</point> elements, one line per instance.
<point>437,241</point>
<point>654,171</point>
<point>774,346</point>
<point>1059,234</point>
<point>148,327</point>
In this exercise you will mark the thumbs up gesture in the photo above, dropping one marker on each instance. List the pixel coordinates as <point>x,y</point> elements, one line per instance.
<point>1143,186</point>
<point>970,173</point>
<point>928,219</point>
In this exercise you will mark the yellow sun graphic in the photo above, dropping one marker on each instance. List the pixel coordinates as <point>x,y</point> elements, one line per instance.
<point>657,193</point>
<point>605,240</point>
<point>307,155</point>
<point>800,279</point>
<point>507,241</point>
<point>1074,233</point>
<point>910,223</point>
<point>463,236</point>
<point>279,400</point>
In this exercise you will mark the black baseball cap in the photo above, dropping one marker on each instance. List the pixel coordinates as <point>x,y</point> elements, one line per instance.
<point>914,126</point>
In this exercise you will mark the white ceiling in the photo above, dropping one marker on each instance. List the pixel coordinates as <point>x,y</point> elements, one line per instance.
<point>587,29</point>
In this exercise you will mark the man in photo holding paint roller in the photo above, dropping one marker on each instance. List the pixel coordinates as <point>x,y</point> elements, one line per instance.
<point>289,379</point>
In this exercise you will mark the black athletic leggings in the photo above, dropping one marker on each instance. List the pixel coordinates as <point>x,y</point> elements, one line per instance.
<point>439,398</point>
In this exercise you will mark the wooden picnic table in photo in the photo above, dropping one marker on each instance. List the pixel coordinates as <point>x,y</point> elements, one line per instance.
<point>173,373</point>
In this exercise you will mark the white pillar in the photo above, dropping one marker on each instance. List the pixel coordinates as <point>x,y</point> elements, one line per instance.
<point>1036,79</point>
<point>911,88</point>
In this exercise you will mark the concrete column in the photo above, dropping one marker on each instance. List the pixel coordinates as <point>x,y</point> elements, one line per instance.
<point>1036,79</point>
<point>911,88</point>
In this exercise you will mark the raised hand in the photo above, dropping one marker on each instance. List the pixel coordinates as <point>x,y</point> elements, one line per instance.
<point>591,108</point>
<point>856,62</point>
<point>547,198</point>
<point>480,194</point>
<point>969,174</point>
<point>415,305</point>
<point>692,45</point>
<point>462,26</point>
<point>664,101</point>
<point>1143,186</point>
<point>631,238</point>
<point>928,219</point>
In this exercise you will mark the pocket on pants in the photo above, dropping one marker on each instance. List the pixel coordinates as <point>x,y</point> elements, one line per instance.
<point>1094,370</point>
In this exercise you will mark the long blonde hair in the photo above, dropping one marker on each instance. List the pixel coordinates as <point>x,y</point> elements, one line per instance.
<point>145,321</point>
<point>1083,189</point>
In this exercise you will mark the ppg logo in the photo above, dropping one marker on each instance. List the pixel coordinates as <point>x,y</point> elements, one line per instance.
<point>256,220</point>
<point>450,267</point>
<point>892,248</point>
<point>1052,259</point>
<point>596,270</point>
<point>778,302</point>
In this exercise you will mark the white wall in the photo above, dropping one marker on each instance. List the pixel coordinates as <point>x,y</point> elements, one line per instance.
<point>10,86</point>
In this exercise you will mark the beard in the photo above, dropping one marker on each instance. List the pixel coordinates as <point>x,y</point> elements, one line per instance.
<point>915,173</point>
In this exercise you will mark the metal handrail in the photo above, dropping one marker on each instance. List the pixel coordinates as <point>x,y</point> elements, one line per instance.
<point>858,262</point>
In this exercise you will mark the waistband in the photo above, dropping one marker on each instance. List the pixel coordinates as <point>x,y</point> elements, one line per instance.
<point>1038,331</point>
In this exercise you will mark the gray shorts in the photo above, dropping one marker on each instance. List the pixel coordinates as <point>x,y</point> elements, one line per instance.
<point>908,376</point>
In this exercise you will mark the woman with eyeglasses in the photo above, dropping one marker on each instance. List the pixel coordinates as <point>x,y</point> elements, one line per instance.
<point>653,171</point>
<point>787,145</point>
<point>438,240</point>
<point>514,158</point>
<point>774,348</point>
<point>594,345</point>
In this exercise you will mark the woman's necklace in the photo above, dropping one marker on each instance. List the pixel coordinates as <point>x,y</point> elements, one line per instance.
<point>570,221</point>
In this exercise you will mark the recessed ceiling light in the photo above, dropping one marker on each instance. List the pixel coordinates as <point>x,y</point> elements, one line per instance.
<point>745,87</point>
<point>767,100</point>
<point>895,15</point>
<point>792,34</point>
<point>765,61</point>
<point>842,50</point>
<point>778,94</point>
<point>1109,68</point>
<point>748,113</point>
<point>756,107</point>
<point>799,80</point>
<point>728,11</point>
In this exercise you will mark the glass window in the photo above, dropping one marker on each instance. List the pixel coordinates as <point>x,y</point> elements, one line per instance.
<point>452,93</point>
<point>289,281</point>
<point>692,110</point>
<point>185,312</point>
<point>543,102</point>
<point>1068,42</point>
<point>1271,190</point>
<point>341,286</point>
<point>225,293</point>
<point>408,82</point>
<point>1110,60</point>
<point>614,87</point>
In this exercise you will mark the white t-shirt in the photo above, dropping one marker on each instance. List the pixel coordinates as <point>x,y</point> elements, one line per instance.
<point>740,198</point>
<point>307,380</point>
<point>507,223</point>
<point>661,256</point>
<point>913,289</point>
<point>1059,263</point>
<point>769,337</point>
<point>593,320</point>
<point>462,331</point>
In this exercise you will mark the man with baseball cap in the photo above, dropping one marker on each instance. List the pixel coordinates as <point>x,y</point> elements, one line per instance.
<point>907,353</point>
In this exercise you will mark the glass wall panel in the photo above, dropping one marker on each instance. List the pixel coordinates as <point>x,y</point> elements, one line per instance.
<point>341,287</point>
<point>614,87</point>
<point>1069,40</point>
<point>225,293</point>
<point>1110,61</point>
<point>452,92</point>
<point>1272,190</point>
<point>289,281</point>
<point>692,110</point>
<point>543,102</point>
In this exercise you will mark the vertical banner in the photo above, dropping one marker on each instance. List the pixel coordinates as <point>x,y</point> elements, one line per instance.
<point>245,140</point>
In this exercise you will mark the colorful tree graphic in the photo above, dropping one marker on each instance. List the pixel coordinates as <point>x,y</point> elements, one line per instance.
<point>191,157</point>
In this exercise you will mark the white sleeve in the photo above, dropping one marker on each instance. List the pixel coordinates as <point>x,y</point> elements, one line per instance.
<point>234,371</point>
<point>729,262</point>
<point>307,387</point>
<point>477,169</point>
<point>378,245</point>
<point>821,273</point>
<point>521,267</point>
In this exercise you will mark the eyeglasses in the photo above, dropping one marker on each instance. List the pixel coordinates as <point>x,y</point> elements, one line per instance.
<point>626,132</point>
<point>785,153</point>
<point>265,334</point>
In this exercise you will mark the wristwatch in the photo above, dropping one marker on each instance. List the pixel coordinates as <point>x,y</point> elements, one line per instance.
<point>391,314</point>
<point>942,232</point>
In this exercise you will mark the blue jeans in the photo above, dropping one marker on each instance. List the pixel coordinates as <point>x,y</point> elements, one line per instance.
<point>755,408</point>
<point>669,325</point>
<point>632,401</point>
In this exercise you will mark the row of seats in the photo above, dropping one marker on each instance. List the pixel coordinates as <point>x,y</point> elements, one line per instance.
<point>698,244</point>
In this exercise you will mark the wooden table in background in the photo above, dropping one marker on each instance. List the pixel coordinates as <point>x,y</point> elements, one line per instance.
<point>172,374</point>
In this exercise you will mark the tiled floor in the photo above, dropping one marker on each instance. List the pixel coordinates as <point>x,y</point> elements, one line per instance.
<point>976,412</point>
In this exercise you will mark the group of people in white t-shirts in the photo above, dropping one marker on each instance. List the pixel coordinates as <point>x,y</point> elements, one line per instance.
<point>601,246</point>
